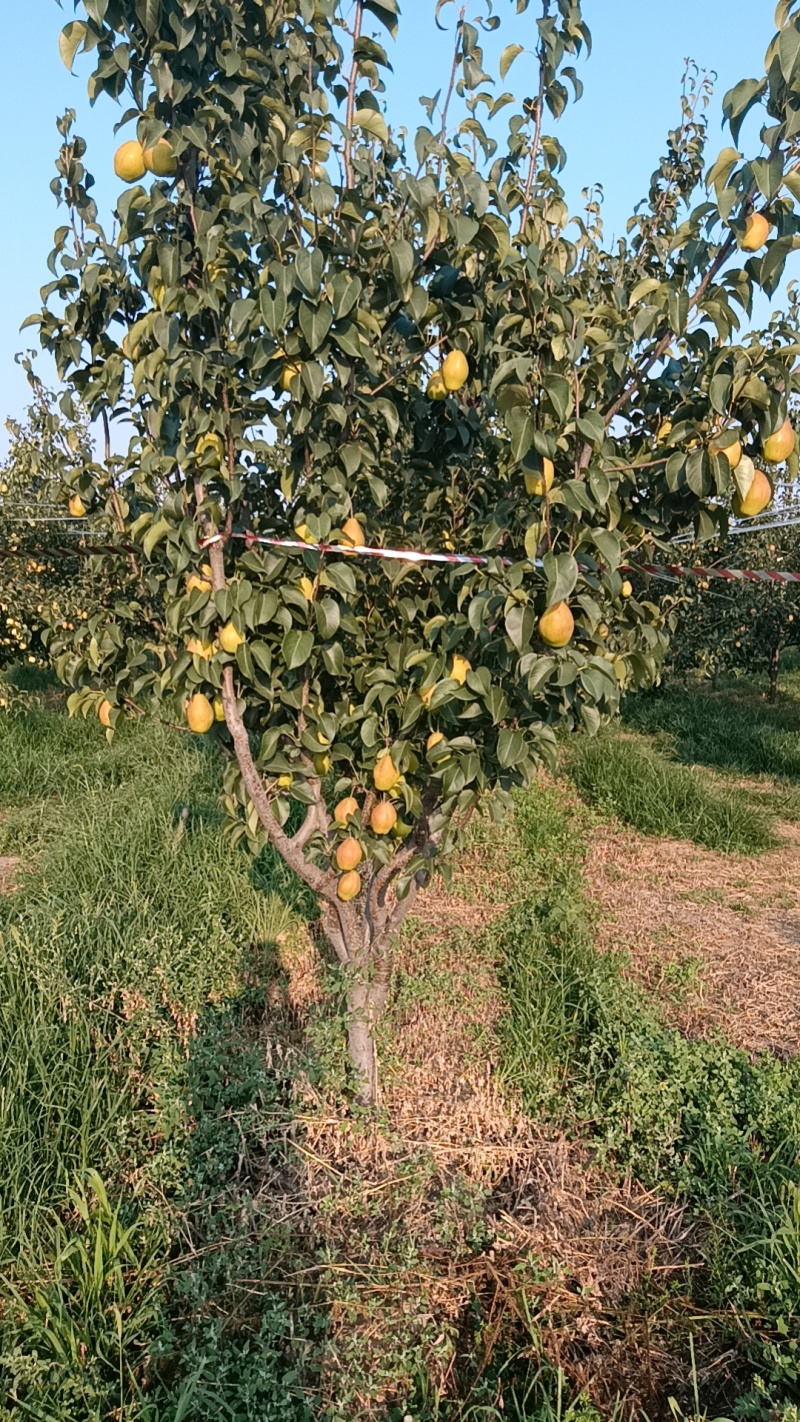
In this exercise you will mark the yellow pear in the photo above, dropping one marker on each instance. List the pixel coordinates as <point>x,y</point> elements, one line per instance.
<point>199,714</point>
<point>556,625</point>
<point>307,588</point>
<point>539,484</point>
<point>211,441</point>
<point>288,374</point>
<point>779,446</point>
<point>349,886</point>
<point>230,638</point>
<point>383,817</point>
<point>385,775</point>
<point>284,782</point>
<point>756,231</point>
<point>76,506</point>
<point>104,713</point>
<point>160,159</point>
<point>197,584</point>
<point>627,588</point>
<point>349,854</point>
<point>129,164</point>
<point>352,532</point>
<point>732,452</point>
<point>436,388</point>
<point>758,496</point>
<point>455,370</point>
<point>219,709</point>
<point>345,808</point>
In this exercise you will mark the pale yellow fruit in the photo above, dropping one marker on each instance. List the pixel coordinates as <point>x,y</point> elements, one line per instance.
<point>434,739</point>
<point>383,817</point>
<point>219,709</point>
<point>459,670</point>
<point>199,714</point>
<point>758,496</point>
<point>304,533</point>
<point>288,374</point>
<point>77,507</point>
<point>307,588</point>
<point>349,854</point>
<point>284,782</point>
<point>104,713</point>
<point>732,452</point>
<point>199,648</point>
<point>756,231</point>
<point>345,808</point>
<point>160,159</point>
<point>211,441</point>
<point>197,584</point>
<point>353,533</point>
<point>626,589</point>
<point>129,164</point>
<point>426,693</point>
<point>436,388</point>
<point>556,625</point>
<point>664,431</point>
<point>602,630</point>
<point>779,446</point>
<point>322,764</point>
<point>385,775</point>
<point>455,370</point>
<point>230,638</point>
<point>539,484</point>
<point>349,886</point>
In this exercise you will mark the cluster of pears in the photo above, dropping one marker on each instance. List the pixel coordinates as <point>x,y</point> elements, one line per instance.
<point>449,378</point>
<point>132,160</point>
<point>776,449</point>
<point>383,818</point>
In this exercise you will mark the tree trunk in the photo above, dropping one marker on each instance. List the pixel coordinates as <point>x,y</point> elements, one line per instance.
<point>774,664</point>
<point>368,966</point>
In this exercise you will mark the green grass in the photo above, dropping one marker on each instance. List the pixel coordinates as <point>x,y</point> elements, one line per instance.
<point>731,729</point>
<point>695,1119</point>
<point>133,917</point>
<point>635,780</point>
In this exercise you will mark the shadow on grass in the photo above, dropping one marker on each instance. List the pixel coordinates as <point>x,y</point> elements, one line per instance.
<point>732,729</point>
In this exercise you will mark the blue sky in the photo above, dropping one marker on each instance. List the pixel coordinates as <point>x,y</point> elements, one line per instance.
<point>614,136</point>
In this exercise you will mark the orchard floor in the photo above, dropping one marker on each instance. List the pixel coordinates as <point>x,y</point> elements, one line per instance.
<point>538,1223</point>
<point>715,936</point>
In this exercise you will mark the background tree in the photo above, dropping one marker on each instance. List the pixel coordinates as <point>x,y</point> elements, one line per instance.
<point>741,626</point>
<point>283,260</point>
<point>45,583</point>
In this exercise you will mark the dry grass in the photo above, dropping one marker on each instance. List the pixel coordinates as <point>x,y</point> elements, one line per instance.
<point>9,864</point>
<point>716,936</point>
<point>452,1195</point>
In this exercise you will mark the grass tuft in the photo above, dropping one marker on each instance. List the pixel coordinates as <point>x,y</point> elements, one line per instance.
<point>634,780</point>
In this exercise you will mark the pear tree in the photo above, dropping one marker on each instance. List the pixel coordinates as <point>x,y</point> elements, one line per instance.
<point>319,338</point>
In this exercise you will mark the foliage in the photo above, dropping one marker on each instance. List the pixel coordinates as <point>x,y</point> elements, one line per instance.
<point>725,626</point>
<point>637,782</point>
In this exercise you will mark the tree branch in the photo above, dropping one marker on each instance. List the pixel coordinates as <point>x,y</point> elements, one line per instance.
<point>537,131</point>
<point>351,98</point>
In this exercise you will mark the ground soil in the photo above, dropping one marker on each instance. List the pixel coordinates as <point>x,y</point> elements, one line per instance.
<point>715,936</point>
<point>8,868</point>
<point>454,1196</point>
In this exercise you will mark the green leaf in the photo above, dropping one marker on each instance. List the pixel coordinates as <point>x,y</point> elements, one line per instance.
<point>373,123</point>
<point>739,101</point>
<point>510,53</point>
<point>154,535</point>
<point>402,255</point>
<point>561,572</point>
<point>520,624</point>
<point>521,427</point>
<point>296,648</point>
<point>609,546</point>
<point>315,323</point>
<point>328,617</point>
<point>511,748</point>
<point>720,170</point>
<point>643,288</point>
<point>70,41</point>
